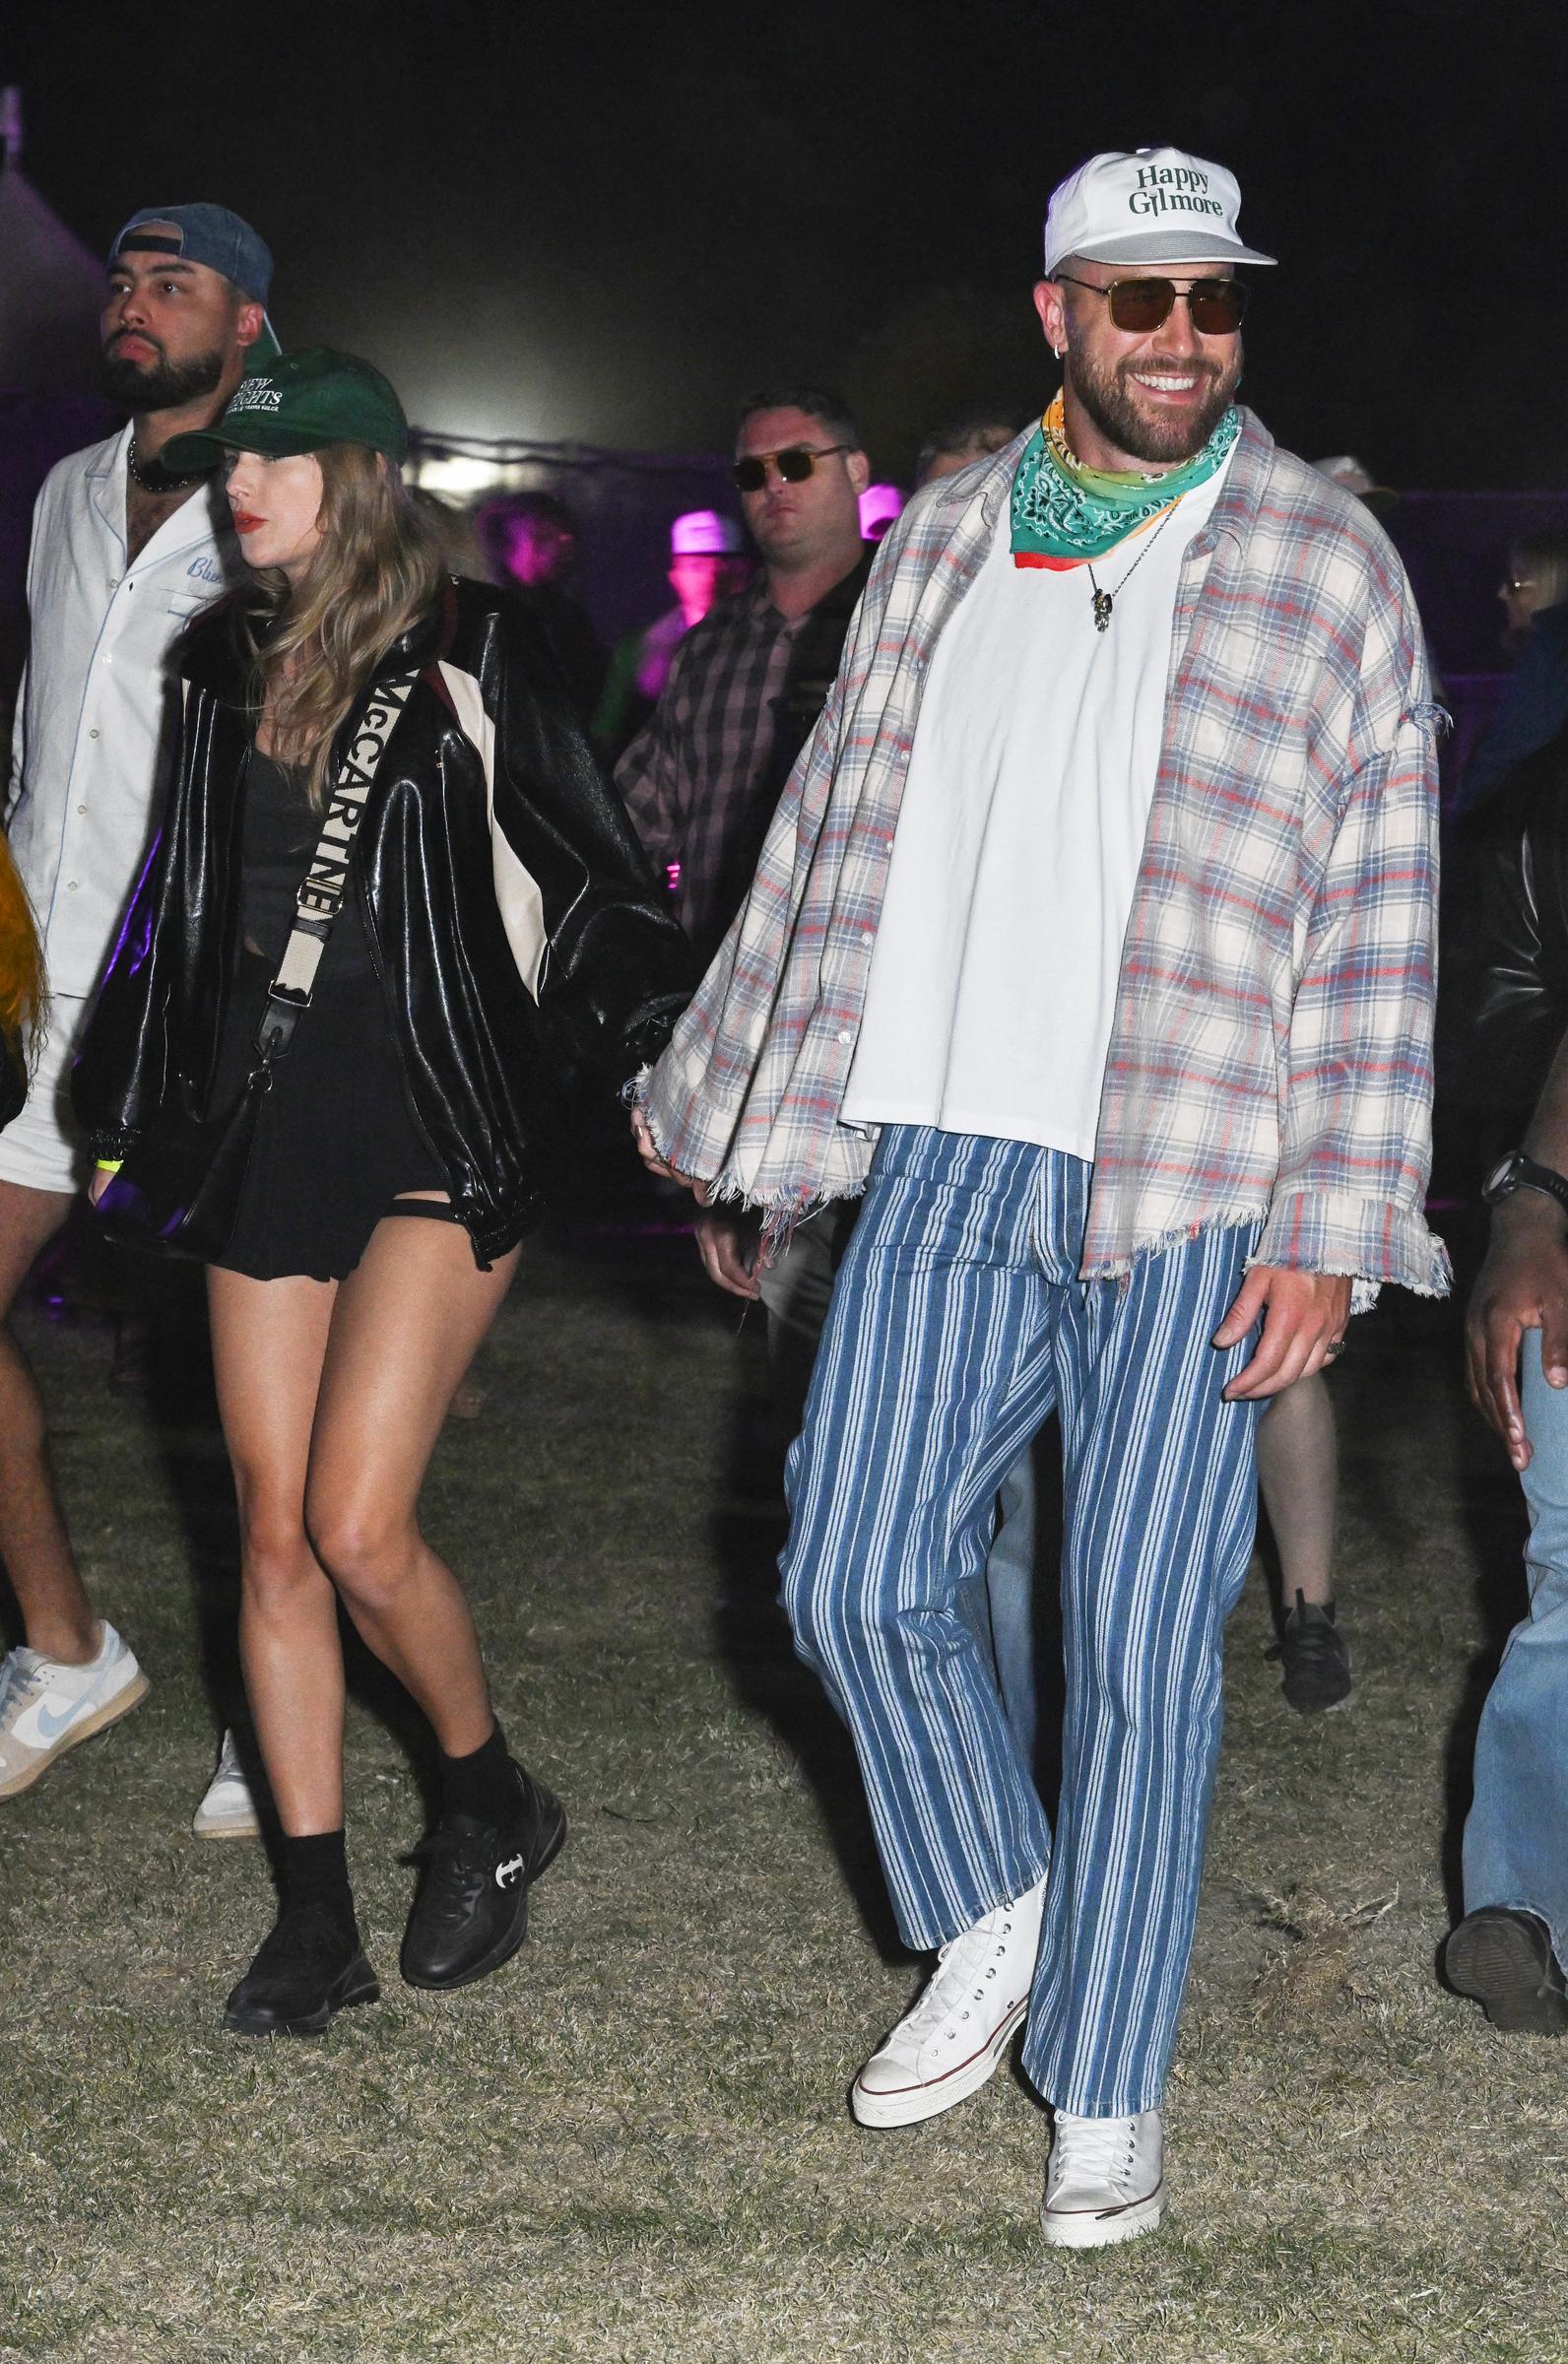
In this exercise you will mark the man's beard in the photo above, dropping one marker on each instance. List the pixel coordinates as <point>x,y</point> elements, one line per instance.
<point>1156,440</point>
<point>165,387</point>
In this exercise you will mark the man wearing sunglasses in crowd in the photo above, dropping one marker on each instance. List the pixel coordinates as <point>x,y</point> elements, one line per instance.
<point>1093,942</point>
<point>702,781</point>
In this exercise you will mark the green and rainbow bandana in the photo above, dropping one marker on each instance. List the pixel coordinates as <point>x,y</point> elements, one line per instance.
<point>1064,512</point>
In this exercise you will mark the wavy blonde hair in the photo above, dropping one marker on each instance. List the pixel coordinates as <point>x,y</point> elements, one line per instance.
<point>22,994</point>
<point>378,568</point>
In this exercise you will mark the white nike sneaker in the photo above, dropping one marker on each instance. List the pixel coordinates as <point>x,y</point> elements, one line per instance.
<point>1106,2180</point>
<point>957,2033</point>
<point>46,1706</point>
<point>227,1809</point>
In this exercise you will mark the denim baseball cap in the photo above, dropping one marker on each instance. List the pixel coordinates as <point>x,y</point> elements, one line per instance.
<point>201,233</point>
<point>297,404</point>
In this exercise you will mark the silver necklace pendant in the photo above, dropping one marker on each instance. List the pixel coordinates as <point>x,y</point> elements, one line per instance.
<point>1103,600</point>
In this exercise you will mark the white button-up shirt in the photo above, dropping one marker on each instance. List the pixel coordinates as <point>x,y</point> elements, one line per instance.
<point>95,722</point>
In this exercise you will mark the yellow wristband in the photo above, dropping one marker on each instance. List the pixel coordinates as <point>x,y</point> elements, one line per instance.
<point>109,1166</point>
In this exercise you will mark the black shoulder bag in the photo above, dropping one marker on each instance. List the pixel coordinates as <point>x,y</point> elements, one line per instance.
<point>178,1190</point>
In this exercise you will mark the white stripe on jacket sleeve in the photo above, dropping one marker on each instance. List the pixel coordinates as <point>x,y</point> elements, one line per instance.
<point>518,892</point>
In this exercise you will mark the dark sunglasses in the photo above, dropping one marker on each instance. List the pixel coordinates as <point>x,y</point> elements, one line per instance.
<point>1215,306</point>
<point>794,465</point>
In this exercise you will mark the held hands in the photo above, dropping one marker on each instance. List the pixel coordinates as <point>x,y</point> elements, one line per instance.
<point>1304,1315</point>
<point>727,1240</point>
<point>1522,1285</point>
<point>644,1138</point>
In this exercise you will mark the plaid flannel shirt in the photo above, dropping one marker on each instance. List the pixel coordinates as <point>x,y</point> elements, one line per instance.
<point>688,779</point>
<point>1271,1053</point>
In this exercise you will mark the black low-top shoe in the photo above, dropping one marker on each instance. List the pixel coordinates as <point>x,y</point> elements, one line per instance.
<point>471,1913</point>
<point>1314,1659</point>
<point>310,1966</point>
<point>1505,1960</point>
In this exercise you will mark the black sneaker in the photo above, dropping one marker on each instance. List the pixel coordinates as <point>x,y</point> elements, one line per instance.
<point>1314,1659</point>
<point>1505,1961</point>
<point>310,1965</point>
<point>471,1913</point>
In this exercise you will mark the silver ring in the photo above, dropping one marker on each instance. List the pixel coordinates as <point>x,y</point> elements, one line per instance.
<point>1335,1345</point>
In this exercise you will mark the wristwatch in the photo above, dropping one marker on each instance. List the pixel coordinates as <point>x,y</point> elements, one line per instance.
<point>1516,1171</point>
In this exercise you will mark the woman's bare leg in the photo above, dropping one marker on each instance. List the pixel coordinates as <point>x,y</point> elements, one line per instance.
<point>405,1327</point>
<point>268,1341</point>
<point>57,1615</point>
<point>1299,1473</point>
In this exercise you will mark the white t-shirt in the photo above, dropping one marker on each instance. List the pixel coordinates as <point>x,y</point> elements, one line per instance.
<point>992,981</point>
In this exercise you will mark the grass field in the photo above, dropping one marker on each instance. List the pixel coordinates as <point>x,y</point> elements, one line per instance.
<point>634,2144</point>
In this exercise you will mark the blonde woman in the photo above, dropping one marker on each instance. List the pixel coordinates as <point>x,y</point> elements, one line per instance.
<point>499,942</point>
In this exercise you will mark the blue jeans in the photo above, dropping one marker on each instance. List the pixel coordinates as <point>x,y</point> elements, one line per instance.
<point>1516,1839</point>
<point>957,1322</point>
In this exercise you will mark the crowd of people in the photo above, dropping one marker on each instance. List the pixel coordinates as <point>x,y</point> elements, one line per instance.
<point>1012,914</point>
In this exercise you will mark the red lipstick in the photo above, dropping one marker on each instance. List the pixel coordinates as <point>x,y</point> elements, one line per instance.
<point>244,523</point>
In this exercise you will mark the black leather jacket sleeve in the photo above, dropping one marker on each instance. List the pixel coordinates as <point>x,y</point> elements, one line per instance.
<point>1521,998</point>
<point>617,971</point>
<point>122,1077</point>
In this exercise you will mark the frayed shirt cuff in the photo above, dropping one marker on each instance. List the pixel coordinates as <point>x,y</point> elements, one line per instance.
<point>1367,1240</point>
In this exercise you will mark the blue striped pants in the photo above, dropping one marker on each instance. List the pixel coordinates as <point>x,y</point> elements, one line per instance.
<point>957,1322</point>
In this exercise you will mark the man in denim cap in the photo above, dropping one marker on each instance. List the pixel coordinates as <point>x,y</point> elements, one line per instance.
<point>124,552</point>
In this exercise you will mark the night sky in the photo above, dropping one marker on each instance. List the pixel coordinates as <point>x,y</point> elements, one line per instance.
<point>607,224</point>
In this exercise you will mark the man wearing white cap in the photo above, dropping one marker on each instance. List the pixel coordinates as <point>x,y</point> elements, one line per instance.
<point>706,566</point>
<point>1094,941</point>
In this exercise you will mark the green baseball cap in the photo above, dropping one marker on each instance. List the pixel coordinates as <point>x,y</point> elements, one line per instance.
<point>297,402</point>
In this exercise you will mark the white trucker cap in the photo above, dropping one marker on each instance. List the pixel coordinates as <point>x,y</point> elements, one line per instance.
<point>1154,205</point>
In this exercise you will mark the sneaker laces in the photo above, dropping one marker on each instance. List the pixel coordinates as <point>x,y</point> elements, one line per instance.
<point>1311,1637</point>
<point>21,1677</point>
<point>977,1954</point>
<point>230,1767</point>
<point>457,1871</point>
<point>1096,2150</point>
<point>301,1936</point>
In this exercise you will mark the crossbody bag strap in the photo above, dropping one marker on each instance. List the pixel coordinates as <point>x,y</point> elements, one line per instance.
<point>325,882</point>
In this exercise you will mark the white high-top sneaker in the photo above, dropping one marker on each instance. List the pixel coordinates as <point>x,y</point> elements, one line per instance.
<point>945,2048</point>
<point>1106,2180</point>
<point>227,1809</point>
<point>47,1706</point>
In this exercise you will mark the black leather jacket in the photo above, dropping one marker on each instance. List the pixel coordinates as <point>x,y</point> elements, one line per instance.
<point>1521,1004</point>
<point>522,945</point>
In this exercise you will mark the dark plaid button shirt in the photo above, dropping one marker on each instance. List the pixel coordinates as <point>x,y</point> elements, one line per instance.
<point>692,776</point>
<point>702,779</point>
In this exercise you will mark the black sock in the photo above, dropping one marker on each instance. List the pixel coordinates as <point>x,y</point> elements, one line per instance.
<point>482,1784</point>
<point>315,1873</point>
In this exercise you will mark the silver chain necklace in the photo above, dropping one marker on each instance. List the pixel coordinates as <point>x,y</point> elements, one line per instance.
<point>1105,601</point>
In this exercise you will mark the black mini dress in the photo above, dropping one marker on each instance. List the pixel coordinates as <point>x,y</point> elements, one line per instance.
<point>337,1140</point>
